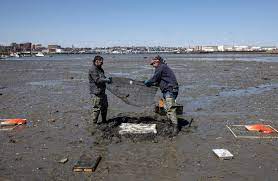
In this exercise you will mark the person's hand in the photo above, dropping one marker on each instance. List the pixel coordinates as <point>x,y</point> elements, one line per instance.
<point>147,83</point>
<point>108,80</point>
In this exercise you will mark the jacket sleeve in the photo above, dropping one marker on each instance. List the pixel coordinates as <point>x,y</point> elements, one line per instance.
<point>156,77</point>
<point>94,77</point>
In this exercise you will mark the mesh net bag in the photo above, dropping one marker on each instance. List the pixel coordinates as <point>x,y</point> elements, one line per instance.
<point>132,92</point>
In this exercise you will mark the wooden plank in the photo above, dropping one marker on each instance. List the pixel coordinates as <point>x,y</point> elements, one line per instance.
<point>232,131</point>
<point>86,163</point>
<point>8,128</point>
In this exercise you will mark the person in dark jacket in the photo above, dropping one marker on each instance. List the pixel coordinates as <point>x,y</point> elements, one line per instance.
<point>166,79</point>
<point>97,82</point>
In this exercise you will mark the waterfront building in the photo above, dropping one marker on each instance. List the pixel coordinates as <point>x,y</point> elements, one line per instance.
<point>241,48</point>
<point>268,48</point>
<point>209,48</point>
<point>54,49</point>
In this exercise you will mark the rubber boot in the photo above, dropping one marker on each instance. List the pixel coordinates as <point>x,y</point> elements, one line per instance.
<point>103,116</point>
<point>176,129</point>
<point>95,114</point>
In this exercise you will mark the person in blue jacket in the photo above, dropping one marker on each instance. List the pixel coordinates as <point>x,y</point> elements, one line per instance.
<point>167,81</point>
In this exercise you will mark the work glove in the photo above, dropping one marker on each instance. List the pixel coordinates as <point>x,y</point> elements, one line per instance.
<point>147,83</point>
<point>108,80</point>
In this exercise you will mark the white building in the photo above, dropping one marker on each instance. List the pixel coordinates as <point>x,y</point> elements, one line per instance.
<point>221,48</point>
<point>241,48</point>
<point>209,48</point>
<point>268,48</point>
<point>58,50</point>
<point>255,48</point>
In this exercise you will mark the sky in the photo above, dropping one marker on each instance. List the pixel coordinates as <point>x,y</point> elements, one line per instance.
<point>103,23</point>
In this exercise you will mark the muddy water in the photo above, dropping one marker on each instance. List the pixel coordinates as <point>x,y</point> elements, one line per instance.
<point>53,96</point>
<point>206,101</point>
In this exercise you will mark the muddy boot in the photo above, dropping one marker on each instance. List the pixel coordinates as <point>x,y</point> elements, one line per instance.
<point>103,108</point>
<point>103,116</point>
<point>176,129</point>
<point>94,118</point>
<point>172,115</point>
<point>96,108</point>
<point>171,110</point>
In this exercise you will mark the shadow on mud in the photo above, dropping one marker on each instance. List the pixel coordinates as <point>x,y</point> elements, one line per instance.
<point>108,132</point>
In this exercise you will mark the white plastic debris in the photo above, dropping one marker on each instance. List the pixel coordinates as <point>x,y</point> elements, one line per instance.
<point>133,128</point>
<point>223,154</point>
<point>64,160</point>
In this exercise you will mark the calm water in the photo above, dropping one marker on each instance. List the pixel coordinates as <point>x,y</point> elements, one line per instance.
<point>197,57</point>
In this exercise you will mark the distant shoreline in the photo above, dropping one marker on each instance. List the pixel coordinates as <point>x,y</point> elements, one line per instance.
<point>3,56</point>
<point>225,52</point>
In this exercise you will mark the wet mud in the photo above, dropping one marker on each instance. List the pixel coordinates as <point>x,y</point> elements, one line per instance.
<point>108,132</point>
<point>53,95</point>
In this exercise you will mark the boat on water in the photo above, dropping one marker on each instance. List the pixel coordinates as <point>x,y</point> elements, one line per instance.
<point>39,54</point>
<point>3,57</point>
<point>14,55</point>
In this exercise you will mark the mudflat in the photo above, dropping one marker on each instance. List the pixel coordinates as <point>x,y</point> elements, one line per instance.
<point>53,95</point>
